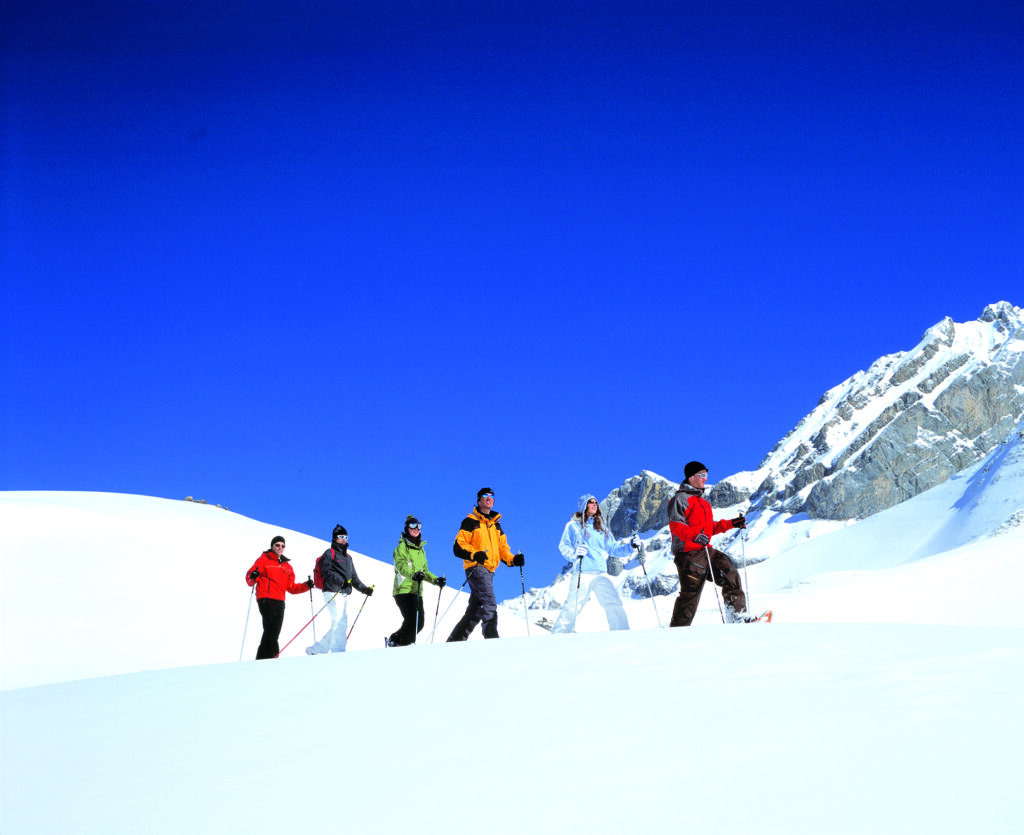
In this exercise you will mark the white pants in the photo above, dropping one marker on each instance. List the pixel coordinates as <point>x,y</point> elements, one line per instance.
<point>336,638</point>
<point>601,587</point>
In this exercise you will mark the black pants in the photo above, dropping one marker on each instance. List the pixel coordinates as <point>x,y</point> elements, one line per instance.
<point>273,618</point>
<point>693,573</point>
<point>411,607</point>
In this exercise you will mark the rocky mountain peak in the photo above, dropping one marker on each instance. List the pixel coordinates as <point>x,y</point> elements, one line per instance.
<point>906,424</point>
<point>641,503</point>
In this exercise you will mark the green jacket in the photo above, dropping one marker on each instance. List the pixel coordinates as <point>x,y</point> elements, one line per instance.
<point>409,558</point>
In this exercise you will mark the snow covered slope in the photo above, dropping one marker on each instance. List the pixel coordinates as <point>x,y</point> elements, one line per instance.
<point>782,728</point>
<point>104,583</point>
<point>972,526</point>
<point>888,659</point>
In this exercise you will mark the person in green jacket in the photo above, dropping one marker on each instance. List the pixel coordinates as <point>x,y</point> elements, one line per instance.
<point>410,572</point>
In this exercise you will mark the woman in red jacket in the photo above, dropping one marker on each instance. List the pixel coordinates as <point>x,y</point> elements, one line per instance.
<point>272,575</point>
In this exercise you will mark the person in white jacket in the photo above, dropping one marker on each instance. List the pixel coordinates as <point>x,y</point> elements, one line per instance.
<point>587,543</point>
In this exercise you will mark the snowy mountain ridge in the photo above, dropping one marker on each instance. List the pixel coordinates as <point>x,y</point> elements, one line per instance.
<point>898,638</point>
<point>951,409</point>
<point>906,424</point>
<point>982,506</point>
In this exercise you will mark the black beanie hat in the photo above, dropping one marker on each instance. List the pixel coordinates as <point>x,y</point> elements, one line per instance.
<point>411,520</point>
<point>339,531</point>
<point>275,540</point>
<point>692,468</point>
<point>483,490</point>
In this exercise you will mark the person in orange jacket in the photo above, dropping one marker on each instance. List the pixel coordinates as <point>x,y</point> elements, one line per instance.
<point>272,575</point>
<point>481,545</point>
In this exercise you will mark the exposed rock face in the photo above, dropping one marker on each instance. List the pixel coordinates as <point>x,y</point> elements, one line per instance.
<point>905,425</point>
<point>660,584</point>
<point>726,494</point>
<point>641,503</point>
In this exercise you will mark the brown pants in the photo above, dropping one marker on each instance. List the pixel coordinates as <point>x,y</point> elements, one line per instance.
<point>693,573</point>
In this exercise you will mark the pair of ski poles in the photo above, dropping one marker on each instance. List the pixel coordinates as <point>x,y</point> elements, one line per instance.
<point>326,604</point>
<point>643,565</point>
<point>308,622</point>
<point>526,610</point>
<point>746,582</point>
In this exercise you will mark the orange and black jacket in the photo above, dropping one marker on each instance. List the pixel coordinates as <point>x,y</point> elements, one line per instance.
<point>276,577</point>
<point>481,532</point>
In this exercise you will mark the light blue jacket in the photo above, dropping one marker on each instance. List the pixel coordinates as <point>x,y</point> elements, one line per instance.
<point>600,544</point>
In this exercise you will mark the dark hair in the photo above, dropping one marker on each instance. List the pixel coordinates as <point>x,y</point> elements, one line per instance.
<point>597,517</point>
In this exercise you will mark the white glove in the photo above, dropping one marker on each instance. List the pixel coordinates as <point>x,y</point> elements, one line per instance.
<point>581,550</point>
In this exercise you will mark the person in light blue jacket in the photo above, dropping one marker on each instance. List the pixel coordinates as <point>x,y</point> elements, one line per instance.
<point>588,544</point>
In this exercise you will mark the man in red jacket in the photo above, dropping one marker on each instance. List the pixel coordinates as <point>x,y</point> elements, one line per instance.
<point>273,576</point>
<point>692,523</point>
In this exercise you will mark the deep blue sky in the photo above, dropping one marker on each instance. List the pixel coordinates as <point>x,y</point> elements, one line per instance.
<point>326,262</point>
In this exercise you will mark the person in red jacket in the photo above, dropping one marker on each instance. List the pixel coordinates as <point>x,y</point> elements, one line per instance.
<point>272,575</point>
<point>692,523</point>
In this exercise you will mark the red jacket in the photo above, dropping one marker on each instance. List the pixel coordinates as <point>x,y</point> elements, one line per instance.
<point>690,514</point>
<point>276,577</point>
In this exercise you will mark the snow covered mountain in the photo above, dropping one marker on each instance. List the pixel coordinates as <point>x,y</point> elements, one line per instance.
<point>898,639</point>
<point>173,571</point>
<point>871,674</point>
<point>908,423</point>
<point>949,414</point>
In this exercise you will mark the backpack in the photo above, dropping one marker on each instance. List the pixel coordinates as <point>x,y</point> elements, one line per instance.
<point>318,572</point>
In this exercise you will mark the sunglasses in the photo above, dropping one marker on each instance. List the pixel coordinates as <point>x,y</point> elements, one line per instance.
<point>279,545</point>
<point>414,527</point>
<point>487,496</point>
<point>341,536</point>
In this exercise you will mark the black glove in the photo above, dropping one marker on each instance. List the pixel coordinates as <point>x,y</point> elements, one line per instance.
<point>701,539</point>
<point>519,559</point>
<point>440,582</point>
<point>310,583</point>
<point>480,557</point>
<point>418,576</point>
<point>254,574</point>
<point>369,591</point>
<point>739,522</point>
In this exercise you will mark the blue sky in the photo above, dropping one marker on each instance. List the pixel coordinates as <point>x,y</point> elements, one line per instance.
<point>343,262</point>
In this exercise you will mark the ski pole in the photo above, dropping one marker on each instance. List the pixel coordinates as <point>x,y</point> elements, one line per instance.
<point>448,608</point>
<point>576,602</point>
<point>311,605</point>
<point>252,594</point>
<point>711,568</point>
<point>357,617</point>
<point>526,609</point>
<point>436,610</point>
<point>743,550</point>
<point>419,601</point>
<point>308,622</point>
<point>643,565</point>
